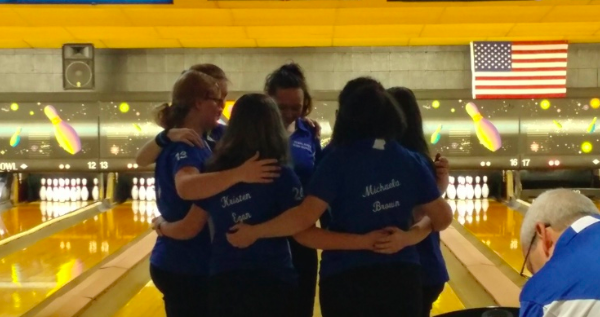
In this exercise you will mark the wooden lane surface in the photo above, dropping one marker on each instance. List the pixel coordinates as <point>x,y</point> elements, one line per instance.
<point>495,225</point>
<point>148,303</point>
<point>28,276</point>
<point>24,217</point>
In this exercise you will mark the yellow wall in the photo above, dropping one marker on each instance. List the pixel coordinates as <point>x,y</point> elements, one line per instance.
<point>202,23</point>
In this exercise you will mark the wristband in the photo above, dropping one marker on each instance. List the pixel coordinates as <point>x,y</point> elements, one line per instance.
<point>161,139</point>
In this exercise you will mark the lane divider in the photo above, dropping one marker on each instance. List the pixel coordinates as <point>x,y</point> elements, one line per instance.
<point>49,223</point>
<point>504,291</point>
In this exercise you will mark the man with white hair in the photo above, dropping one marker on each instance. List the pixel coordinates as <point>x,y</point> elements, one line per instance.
<point>560,237</point>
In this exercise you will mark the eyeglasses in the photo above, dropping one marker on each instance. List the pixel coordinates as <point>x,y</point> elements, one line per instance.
<point>529,251</point>
<point>219,101</point>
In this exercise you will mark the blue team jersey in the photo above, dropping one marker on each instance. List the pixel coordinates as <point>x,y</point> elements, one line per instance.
<point>434,271</point>
<point>433,266</point>
<point>253,204</point>
<point>179,256</point>
<point>214,135</point>
<point>305,150</point>
<point>370,185</point>
<point>569,283</point>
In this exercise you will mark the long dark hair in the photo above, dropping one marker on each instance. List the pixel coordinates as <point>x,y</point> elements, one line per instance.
<point>366,110</point>
<point>255,126</point>
<point>191,87</point>
<point>289,76</point>
<point>413,137</point>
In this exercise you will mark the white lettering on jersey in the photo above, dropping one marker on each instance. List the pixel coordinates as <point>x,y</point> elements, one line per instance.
<point>377,206</point>
<point>181,155</point>
<point>227,201</point>
<point>376,189</point>
<point>241,218</point>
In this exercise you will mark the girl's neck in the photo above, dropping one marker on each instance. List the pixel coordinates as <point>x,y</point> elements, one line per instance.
<point>189,124</point>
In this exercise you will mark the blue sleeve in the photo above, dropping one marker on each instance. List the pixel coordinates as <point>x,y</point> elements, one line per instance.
<point>318,151</point>
<point>325,182</point>
<point>426,188</point>
<point>184,155</point>
<point>530,309</point>
<point>289,190</point>
<point>323,154</point>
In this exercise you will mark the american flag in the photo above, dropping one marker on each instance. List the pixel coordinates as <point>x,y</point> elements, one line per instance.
<point>513,70</point>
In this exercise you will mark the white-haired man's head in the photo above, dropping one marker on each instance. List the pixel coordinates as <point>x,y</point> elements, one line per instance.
<point>546,219</point>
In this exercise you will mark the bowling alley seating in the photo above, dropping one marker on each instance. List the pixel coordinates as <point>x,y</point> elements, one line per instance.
<point>4,188</point>
<point>485,312</point>
<point>533,183</point>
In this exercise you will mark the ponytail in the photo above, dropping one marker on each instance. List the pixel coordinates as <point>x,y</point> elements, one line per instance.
<point>289,76</point>
<point>161,116</point>
<point>191,87</point>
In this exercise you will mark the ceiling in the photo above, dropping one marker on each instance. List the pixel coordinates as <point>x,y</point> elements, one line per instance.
<point>208,24</point>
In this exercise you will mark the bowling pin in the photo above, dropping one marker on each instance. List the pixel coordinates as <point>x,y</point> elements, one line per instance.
<point>460,190</point>
<point>469,188</point>
<point>65,134</point>
<point>61,183</point>
<point>78,189</point>
<point>152,191</point>
<point>485,190</point>
<point>451,190</point>
<point>15,139</point>
<point>477,187</point>
<point>95,190</point>
<point>43,190</point>
<point>435,136</point>
<point>56,190</point>
<point>142,193</point>
<point>486,131</point>
<point>73,193</point>
<point>85,194</point>
<point>148,189</point>
<point>67,189</point>
<point>49,191</point>
<point>134,189</point>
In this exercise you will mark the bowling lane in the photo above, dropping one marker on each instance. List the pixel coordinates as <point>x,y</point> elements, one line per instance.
<point>148,303</point>
<point>28,276</point>
<point>494,224</point>
<point>447,302</point>
<point>24,217</point>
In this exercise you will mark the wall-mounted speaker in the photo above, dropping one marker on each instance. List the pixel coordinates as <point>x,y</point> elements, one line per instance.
<point>78,66</point>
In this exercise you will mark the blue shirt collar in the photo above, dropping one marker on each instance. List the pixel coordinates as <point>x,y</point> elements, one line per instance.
<point>576,228</point>
<point>302,126</point>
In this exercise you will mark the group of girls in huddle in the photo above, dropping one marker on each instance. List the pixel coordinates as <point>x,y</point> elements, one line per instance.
<point>244,208</point>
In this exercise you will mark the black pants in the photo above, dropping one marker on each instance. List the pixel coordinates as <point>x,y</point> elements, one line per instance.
<point>250,293</point>
<point>379,290</point>
<point>430,295</point>
<point>306,264</point>
<point>184,295</point>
